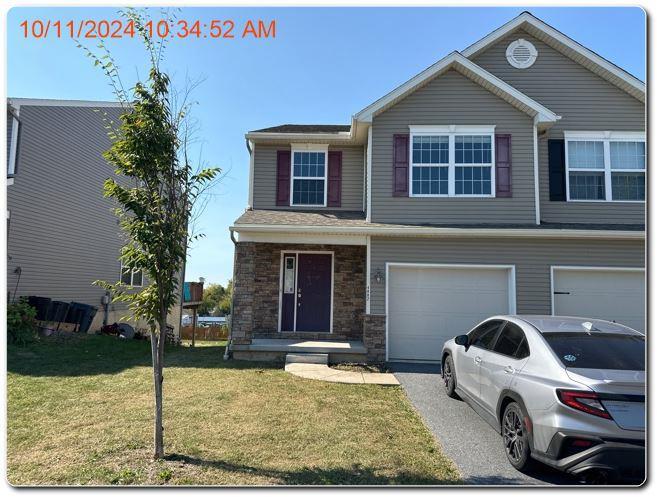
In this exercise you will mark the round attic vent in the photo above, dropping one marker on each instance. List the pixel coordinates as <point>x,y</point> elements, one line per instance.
<point>521,54</point>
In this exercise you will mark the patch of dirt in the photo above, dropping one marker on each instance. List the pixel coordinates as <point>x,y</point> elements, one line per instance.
<point>361,368</point>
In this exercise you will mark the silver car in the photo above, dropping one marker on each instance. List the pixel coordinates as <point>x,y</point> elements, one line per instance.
<point>568,392</point>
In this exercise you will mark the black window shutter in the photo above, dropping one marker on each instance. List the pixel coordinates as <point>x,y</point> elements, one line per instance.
<point>557,168</point>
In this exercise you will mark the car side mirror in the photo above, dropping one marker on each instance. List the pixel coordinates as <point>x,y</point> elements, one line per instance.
<point>461,340</point>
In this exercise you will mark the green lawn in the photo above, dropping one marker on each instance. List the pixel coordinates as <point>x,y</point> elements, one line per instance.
<point>80,411</point>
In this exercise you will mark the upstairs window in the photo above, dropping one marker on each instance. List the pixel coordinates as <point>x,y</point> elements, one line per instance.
<point>605,166</point>
<point>132,278</point>
<point>309,178</point>
<point>452,161</point>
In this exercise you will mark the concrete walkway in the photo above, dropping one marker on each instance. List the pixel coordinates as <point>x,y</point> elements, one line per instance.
<point>315,367</point>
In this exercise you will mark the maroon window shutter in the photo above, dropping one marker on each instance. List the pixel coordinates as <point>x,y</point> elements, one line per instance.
<point>283,172</point>
<point>503,165</point>
<point>334,179</point>
<point>400,165</point>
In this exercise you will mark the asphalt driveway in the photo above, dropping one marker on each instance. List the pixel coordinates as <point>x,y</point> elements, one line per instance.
<point>467,439</point>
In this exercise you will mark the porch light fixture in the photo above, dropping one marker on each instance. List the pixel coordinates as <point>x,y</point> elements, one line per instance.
<point>378,277</point>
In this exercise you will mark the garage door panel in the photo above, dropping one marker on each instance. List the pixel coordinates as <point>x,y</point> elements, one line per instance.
<point>429,305</point>
<point>614,295</point>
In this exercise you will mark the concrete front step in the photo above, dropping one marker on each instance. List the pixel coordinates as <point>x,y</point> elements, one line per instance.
<point>306,359</point>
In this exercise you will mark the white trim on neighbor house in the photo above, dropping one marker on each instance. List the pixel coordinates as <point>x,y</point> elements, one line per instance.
<point>585,268</point>
<point>607,67</point>
<point>46,102</point>
<point>299,148</point>
<point>514,96</point>
<point>451,131</point>
<point>296,286</point>
<point>606,137</point>
<point>425,231</point>
<point>13,145</point>
<point>511,268</point>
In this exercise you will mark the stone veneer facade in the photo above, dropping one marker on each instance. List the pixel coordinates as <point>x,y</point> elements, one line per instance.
<point>257,283</point>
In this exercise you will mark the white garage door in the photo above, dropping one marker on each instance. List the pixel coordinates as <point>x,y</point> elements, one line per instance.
<point>615,295</point>
<point>428,305</point>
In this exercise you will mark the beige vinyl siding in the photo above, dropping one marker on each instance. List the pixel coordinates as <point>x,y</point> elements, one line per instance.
<point>586,102</point>
<point>532,259</point>
<point>453,99</point>
<point>264,177</point>
<point>62,232</point>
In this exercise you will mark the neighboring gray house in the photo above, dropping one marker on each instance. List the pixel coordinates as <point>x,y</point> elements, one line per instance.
<point>506,178</point>
<point>62,233</point>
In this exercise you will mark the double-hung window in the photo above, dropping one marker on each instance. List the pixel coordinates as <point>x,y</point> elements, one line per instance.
<point>452,161</point>
<point>605,166</point>
<point>132,278</point>
<point>309,168</point>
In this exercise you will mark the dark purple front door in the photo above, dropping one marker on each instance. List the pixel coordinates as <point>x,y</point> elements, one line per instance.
<point>314,292</point>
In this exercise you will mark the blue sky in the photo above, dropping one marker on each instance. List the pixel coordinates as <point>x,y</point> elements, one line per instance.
<point>324,65</point>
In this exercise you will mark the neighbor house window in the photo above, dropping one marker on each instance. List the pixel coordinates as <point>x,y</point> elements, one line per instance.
<point>454,161</point>
<point>606,166</point>
<point>132,278</point>
<point>309,178</point>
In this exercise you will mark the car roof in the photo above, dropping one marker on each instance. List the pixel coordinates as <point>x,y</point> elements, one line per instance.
<point>573,324</point>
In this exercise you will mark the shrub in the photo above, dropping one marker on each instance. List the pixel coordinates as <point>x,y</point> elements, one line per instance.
<point>21,322</point>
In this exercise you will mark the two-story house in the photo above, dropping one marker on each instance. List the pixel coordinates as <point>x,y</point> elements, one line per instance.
<point>507,178</point>
<point>62,232</point>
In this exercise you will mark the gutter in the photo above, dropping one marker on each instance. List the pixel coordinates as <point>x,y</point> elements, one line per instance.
<point>423,231</point>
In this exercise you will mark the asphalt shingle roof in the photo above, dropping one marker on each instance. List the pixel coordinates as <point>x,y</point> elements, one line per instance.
<point>305,128</point>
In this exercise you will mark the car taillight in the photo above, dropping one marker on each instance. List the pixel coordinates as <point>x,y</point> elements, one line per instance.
<point>587,402</point>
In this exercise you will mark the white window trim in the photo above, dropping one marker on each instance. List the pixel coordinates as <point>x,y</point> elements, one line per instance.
<point>309,147</point>
<point>605,137</point>
<point>132,277</point>
<point>13,146</point>
<point>451,131</point>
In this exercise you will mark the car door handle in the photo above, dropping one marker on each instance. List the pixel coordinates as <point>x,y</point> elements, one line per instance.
<point>509,370</point>
<point>477,360</point>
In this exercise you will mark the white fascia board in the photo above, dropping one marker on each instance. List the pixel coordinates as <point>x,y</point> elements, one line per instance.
<point>63,103</point>
<point>542,113</point>
<point>536,23</point>
<point>438,232</point>
<point>317,137</point>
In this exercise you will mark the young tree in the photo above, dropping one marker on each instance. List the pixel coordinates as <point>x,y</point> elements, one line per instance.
<point>156,206</point>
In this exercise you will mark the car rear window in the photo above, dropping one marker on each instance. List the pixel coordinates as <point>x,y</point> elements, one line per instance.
<point>599,351</point>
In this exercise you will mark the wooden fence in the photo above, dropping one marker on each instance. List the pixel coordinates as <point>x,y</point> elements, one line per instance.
<point>219,332</point>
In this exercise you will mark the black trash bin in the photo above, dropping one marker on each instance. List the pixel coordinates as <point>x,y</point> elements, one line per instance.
<point>87,318</point>
<point>42,306</point>
<point>57,312</point>
<point>81,314</point>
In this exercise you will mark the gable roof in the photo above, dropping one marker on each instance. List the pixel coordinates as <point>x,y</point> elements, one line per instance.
<point>469,69</point>
<point>566,45</point>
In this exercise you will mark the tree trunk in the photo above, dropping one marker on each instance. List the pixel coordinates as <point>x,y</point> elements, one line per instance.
<point>157,352</point>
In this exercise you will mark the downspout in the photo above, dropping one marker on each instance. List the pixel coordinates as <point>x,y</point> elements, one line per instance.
<point>230,328</point>
<point>249,147</point>
<point>537,200</point>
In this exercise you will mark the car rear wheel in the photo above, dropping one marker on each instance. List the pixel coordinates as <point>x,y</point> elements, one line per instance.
<point>515,437</point>
<point>449,377</point>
